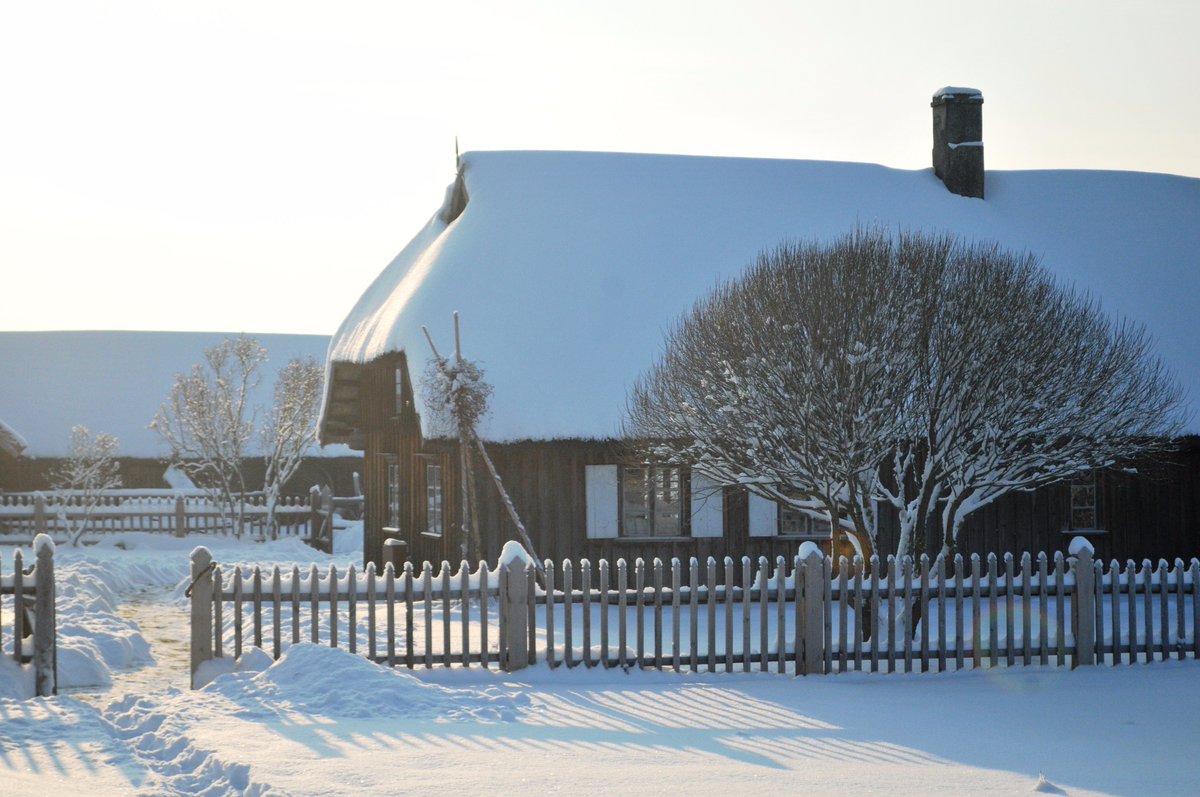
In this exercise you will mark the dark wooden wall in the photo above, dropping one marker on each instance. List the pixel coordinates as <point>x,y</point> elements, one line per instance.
<point>1153,513</point>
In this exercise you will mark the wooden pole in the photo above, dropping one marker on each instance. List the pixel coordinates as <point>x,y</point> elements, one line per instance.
<point>508,506</point>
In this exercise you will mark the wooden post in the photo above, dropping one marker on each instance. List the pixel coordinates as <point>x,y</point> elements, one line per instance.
<point>327,519</point>
<point>513,564</point>
<point>45,649</point>
<point>39,514</point>
<point>813,610</point>
<point>201,593</point>
<point>1083,613</point>
<point>180,517</point>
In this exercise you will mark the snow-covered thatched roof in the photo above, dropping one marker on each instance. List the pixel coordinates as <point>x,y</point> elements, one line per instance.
<point>568,267</point>
<point>11,443</point>
<point>114,382</point>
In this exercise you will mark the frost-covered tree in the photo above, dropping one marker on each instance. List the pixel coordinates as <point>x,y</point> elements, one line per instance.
<point>208,421</point>
<point>289,428</point>
<point>90,468</point>
<point>913,371</point>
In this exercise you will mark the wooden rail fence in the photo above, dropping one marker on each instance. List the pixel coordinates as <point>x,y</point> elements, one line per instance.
<point>163,511</point>
<point>27,621</point>
<point>804,616</point>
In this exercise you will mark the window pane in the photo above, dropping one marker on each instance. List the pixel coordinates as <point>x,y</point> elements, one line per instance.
<point>668,502</point>
<point>635,502</point>
<point>393,492</point>
<point>433,493</point>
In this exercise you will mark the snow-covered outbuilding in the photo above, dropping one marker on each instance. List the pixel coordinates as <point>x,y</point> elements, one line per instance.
<point>568,267</point>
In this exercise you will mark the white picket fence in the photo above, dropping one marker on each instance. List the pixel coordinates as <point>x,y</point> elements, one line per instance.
<point>27,617</point>
<point>149,510</point>
<point>803,616</point>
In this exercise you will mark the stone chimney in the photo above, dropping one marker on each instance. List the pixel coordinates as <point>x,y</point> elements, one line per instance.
<point>958,140</point>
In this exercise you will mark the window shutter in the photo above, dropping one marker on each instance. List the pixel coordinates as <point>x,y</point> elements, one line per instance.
<point>601,498</point>
<point>708,507</point>
<point>764,517</point>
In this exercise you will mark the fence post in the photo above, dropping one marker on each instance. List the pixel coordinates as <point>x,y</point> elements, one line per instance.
<point>39,514</point>
<point>45,646</point>
<point>1083,608</point>
<point>201,593</point>
<point>810,660</point>
<point>180,517</point>
<point>514,562</point>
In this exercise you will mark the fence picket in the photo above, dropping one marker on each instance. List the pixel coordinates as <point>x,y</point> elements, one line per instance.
<point>484,599</point>
<point>906,574</point>
<point>939,591</point>
<point>1163,620</point>
<point>781,609</point>
<point>314,585</point>
<point>1010,589</point>
<point>603,571</point>
<point>1179,609</point>
<point>891,612</point>
<point>622,605</point>
<point>464,611</point>
<point>764,596</point>
<point>639,600</point>
<point>993,619</point>
<point>548,566</point>
<point>1060,608</point>
<point>1043,609</point>
<point>876,626</point>
<point>710,603</point>
<point>1026,604</point>
<point>410,660</point>
<point>924,612</point>
<point>568,614</point>
<point>276,599</point>
<point>372,640</point>
<point>658,612</point>
<point>728,596</point>
<point>585,576</point>
<point>1114,579</point>
<point>843,582</point>
<point>446,628</point>
<point>676,586</point>
<point>427,603</point>
<point>218,620</point>
<point>237,612</point>
<point>693,619</point>
<point>746,613</point>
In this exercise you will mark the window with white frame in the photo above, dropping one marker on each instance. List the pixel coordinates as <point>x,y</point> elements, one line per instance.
<point>399,390</point>
<point>393,492</point>
<point>433,499</point>
<point>651,501</point>
<point>641,502</point>
<point>795,523</point>
<point>1084,514</point>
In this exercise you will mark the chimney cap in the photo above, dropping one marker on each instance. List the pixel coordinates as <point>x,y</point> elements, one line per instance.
<point>957,94</point>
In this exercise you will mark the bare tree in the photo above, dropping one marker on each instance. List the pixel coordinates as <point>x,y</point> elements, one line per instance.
<point>80,481</point>
<point>208,421</point>
<point>289,428</point>
<point>914,371</point>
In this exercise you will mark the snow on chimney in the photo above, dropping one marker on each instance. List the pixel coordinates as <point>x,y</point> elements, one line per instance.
<point>958,139</point>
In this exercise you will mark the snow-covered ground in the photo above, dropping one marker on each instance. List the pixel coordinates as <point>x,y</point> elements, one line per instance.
<point>322,721</point>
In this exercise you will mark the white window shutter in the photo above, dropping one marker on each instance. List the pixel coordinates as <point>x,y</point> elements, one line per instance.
<point>764,517</point>
<point>601,498</point>
<point>708,507</point>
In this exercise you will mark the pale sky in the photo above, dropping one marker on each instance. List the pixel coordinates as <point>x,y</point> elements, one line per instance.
<point>252,166</point>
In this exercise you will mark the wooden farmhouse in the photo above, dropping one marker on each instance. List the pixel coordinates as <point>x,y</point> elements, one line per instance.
<point>567,268</point>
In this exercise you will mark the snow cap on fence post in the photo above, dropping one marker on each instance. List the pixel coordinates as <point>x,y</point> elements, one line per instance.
<point>201,593</point>
<point>1083,607</point>
<point>45,625</point>
<point>514,565</point>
